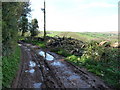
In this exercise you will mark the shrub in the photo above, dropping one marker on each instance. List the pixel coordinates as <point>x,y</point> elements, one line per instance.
<point>93,51</point>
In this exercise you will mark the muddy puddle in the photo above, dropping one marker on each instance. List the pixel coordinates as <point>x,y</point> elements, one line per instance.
<point>30,71</point>
<point>74,77</point>
<point>19,44</point>
<point>38,65</point>
<point>28,44</point>
<point>57,63</point>
<point>32,64</point>
<point>37,85</point>
<point>46,56</point>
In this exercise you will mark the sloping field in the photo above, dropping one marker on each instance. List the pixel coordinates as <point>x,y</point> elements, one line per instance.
<point>86,36</point>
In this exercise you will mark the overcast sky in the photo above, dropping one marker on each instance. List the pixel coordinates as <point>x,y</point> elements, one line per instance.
<point>77,15</point>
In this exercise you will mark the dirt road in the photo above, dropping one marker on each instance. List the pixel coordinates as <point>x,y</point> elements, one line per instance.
<point>44,69</point>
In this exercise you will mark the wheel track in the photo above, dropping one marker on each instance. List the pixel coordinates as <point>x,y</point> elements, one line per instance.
<point>53,76</point>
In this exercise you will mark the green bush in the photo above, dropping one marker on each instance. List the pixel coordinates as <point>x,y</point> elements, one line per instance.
<point>93,51</point>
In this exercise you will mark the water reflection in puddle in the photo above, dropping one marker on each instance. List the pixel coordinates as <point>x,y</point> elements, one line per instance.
<point>47,57</point>
<point>30,71</point>
<point>38,65</point>
<point>32,64</point>
<point>28,44</point>
<point>19,45</point>
<point>68,72</point>
<point>74,77</point>
<point>28,49</point>
<point>57,64</point>
<point>33,46</point>
<point>37,85</point>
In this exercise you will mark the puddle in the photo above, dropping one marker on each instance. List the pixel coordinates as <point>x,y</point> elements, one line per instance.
<point>28,44</point>
<point>25,47</point>
<point>32,64</point>
<point>57,64</point>
<point>19,45</point>
<point>38,65</point>
<point>28,49</point>
<point>68,72</point>
<point>30,71</point>
<point>37,85</point>
<point>74,77</point>
<point>47,57</point>
<point>33,46</point>
<point>26,70</point>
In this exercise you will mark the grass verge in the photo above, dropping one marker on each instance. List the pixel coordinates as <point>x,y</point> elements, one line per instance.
<point>10,67</point>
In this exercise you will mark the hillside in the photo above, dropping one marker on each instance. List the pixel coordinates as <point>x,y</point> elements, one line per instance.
<point>85,36</point>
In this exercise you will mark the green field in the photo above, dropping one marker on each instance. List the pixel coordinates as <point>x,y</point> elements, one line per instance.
<point>85,36</point>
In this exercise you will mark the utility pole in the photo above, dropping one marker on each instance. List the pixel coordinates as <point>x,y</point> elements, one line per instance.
<point>44,10</point>
<point>44,20</point>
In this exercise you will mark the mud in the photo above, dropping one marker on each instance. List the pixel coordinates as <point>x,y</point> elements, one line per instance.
<point>43,69</point>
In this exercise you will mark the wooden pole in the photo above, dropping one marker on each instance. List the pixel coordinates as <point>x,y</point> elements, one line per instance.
<point>44,20</point>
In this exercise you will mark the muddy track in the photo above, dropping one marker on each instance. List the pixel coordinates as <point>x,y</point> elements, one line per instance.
<point>44,69</point>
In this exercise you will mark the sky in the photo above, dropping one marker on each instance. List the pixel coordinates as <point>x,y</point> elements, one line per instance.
<point>77,15</point>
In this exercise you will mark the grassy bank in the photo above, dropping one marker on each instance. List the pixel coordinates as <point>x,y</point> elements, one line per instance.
<point>10,67</point>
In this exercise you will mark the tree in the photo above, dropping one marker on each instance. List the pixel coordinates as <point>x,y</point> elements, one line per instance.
<point>34,27</point>
<point>23,21</point>
<point>11,14</point>
<point>23,25</point>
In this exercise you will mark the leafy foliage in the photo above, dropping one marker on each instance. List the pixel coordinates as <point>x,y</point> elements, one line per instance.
<point>33,27</point>
<point>11,14</point>
<point>23,25</point>
<point>23,21</point>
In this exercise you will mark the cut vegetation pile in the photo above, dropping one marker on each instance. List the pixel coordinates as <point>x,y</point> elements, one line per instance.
<point>73,46</point>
